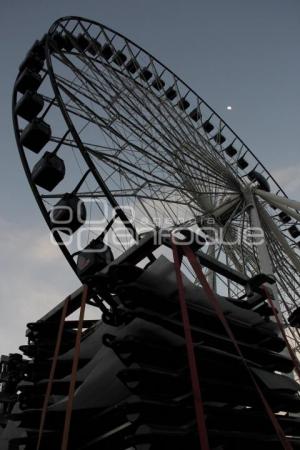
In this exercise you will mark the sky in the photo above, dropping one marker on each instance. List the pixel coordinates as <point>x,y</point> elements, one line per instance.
<point>242,53</point>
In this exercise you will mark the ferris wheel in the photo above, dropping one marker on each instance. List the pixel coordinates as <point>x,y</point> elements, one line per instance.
<point>114,144</point>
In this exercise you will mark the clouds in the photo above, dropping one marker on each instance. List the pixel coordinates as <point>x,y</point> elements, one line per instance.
<point>289,180</point>
<point>34,278</point>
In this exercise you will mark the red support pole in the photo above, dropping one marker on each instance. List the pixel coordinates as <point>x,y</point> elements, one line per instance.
<point>52,371</point>
<point>200,416</point>
<point>187,251</point>
<point>76,356</point>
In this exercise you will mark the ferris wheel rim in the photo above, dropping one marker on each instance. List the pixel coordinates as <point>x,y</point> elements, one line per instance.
<point>51,74</point>
<point>54,26</point>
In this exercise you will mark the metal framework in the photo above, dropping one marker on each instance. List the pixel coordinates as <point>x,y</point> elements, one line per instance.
<point>144,151</point>
<point>131,385</point>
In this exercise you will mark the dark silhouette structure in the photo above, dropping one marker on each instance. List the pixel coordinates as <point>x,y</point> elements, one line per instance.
<point>130,380</point>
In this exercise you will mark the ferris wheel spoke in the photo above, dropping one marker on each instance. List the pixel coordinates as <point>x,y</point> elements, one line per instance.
<point>279,256</point>
<point>73,110</point>
<point>79,102</point>
<point>284,275</point>
<point>248,262</point>
<point>159,143</point>
<point>83,75</point>
<point>129,95</point>
<point>284,208</point>
<point>169,111</point>
<point>287,301</point>
<point>227,229</point>
<point>130,169</point>
<point>244,256</point>
<point>233,255</point>
<point>280,238</point>
<point>286,272</point>
<point>286,202</point>
<point>141,174</point>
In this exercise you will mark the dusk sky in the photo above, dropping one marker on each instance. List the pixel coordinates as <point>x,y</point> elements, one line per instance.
<point>242,53</point>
